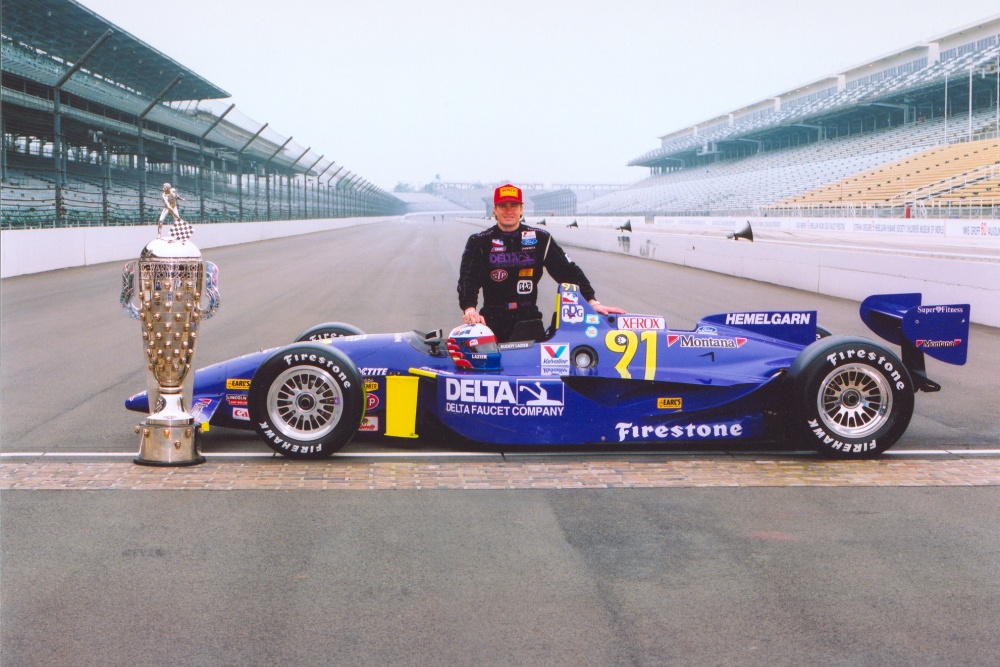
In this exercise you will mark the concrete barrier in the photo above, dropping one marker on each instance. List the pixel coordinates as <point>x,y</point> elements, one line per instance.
<point>36,250</point>
<point>949,261</point>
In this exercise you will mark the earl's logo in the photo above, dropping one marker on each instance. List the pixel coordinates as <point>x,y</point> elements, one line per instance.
<point>669,403</point>
<point>238,383</point>
<point>509,191</point>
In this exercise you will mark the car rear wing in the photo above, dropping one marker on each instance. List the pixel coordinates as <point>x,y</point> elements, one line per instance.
<point>941,332</point>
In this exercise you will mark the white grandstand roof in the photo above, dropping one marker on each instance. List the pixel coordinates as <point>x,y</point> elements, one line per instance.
<point>975,25</point>
<point>981,26</point>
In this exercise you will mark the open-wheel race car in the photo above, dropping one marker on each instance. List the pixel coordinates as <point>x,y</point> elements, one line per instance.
<point>616,381</point>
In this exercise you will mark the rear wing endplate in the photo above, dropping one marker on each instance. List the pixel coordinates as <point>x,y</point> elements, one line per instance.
<point>941,332</point>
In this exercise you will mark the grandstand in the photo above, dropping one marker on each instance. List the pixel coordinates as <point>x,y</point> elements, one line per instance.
<point>946,172</point>
<point>926,116</point>
<point>94,121</point>
<point>559,199</point>
<point>418,202</point>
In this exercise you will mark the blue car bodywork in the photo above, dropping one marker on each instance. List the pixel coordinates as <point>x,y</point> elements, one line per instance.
<point>615,380</point>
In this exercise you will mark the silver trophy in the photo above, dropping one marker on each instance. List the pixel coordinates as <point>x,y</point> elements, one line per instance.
<point>172,280</point>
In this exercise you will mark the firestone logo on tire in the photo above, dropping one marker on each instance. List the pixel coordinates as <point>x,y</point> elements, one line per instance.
<point>319,360</point>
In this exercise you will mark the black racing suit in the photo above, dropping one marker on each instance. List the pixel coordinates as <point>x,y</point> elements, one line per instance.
<point>507,267</point>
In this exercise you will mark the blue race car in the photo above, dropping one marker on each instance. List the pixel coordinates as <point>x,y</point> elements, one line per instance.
<point>615,381</point>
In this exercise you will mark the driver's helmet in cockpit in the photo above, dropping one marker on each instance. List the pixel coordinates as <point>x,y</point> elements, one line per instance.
<point>473,346</point>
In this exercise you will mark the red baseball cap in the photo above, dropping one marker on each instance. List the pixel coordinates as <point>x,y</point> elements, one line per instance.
<point>507,192</point>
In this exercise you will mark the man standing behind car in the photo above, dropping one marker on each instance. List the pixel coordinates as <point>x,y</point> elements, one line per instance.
<point>506,262</point>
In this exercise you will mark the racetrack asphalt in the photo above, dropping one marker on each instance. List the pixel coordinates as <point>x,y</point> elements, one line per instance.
<point>420,554</point>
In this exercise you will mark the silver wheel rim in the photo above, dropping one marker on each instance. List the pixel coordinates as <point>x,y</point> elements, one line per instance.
<point>305,403</point>
<point>854,401</point>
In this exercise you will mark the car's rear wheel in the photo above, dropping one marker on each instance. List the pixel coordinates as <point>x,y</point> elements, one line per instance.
<point>852,398</point>
<point>306,401</point>
<point>328,330</point>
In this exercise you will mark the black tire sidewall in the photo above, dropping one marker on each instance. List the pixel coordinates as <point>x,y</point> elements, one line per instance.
<point>344,373</point>
<point>828,354</point>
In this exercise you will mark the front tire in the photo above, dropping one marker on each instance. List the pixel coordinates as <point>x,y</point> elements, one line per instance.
<point>852,398</point>
<point>306,401</point>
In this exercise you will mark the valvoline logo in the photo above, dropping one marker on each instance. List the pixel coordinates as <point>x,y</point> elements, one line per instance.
<point>556,351</point>
<point>555,359</point>
<point>555,355</point>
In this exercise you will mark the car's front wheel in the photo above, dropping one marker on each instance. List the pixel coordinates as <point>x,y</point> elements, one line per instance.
<point>306,401</point>
<point>852,398</point>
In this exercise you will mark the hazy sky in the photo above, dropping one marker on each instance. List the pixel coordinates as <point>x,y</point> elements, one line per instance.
<point>540,91</point>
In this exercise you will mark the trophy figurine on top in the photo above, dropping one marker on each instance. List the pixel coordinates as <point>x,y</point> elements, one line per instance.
<point>172,279</point>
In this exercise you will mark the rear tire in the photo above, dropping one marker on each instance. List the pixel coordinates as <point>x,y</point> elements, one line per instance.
<point>851,397</point>
<point>306,401</point>
<point>328,330</point>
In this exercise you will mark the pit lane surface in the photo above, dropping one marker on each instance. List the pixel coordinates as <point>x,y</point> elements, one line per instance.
<point>836,572</point>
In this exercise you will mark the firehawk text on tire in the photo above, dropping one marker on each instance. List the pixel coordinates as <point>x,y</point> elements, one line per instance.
<point>306,401</point>
<point>852,397</point>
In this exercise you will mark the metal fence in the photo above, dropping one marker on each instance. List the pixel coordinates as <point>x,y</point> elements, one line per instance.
<point>99,194</point>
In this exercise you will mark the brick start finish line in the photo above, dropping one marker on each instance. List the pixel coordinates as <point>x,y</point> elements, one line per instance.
<point>281,475</point>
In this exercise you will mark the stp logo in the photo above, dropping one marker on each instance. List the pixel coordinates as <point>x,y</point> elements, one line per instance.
<point>371,402</point>
<point>499,275</point>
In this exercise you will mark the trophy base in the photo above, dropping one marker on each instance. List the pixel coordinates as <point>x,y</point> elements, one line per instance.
<point>168,445</point>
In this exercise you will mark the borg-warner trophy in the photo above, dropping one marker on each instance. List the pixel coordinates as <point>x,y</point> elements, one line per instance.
<point>172,279</point>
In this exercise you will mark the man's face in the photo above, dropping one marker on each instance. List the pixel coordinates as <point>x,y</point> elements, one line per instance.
<point>508,214</point>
